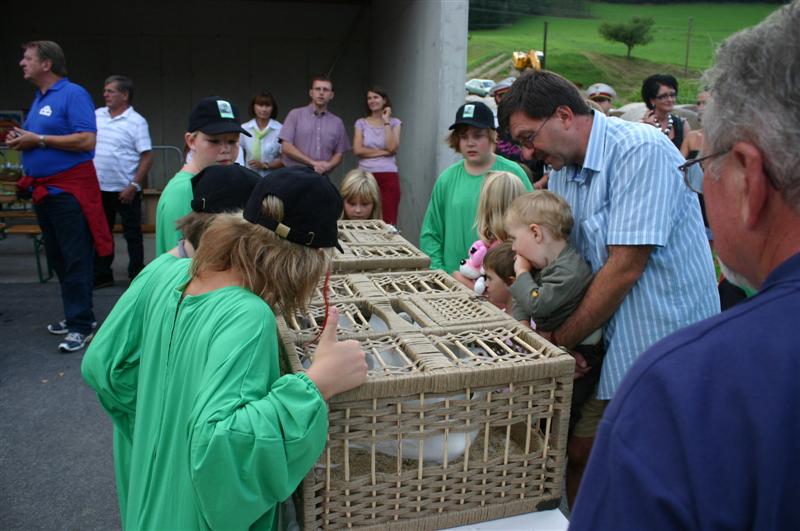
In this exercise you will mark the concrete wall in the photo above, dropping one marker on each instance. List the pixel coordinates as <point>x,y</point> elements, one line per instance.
<point>177,53</point>
<point>420,55</point>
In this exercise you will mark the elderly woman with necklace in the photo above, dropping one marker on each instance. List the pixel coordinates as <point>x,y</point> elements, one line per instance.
<point>659,93</point>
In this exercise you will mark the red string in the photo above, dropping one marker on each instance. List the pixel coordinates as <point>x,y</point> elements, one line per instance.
<point>325,288</point>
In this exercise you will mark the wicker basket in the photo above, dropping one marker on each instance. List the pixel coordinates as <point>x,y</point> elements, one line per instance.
<point>367,231</point>
<point>423,283</point>
<point>455,424</point>
<point>394,255</point>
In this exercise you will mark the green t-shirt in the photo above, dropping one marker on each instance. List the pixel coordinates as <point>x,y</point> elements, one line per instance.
<point>215,437</point>
<point>449,226</point>
<point>174,203</point>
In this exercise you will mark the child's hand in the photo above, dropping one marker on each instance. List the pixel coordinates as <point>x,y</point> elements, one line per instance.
<point>338,365</point>
<point>521,265</point>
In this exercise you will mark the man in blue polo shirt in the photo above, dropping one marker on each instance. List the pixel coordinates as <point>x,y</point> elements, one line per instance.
<point>57,142</point>
<point>636,224</point>
<point>704,431</point>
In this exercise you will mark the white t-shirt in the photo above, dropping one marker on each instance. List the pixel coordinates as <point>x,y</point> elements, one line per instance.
<point>120,143</point>
<point>270,145</point>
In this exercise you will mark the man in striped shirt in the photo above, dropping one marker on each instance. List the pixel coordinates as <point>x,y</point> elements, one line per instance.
<point>636,223</point>
<point>123,157</point>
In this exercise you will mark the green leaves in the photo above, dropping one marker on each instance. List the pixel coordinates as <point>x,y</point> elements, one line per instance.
<point>637,31</point>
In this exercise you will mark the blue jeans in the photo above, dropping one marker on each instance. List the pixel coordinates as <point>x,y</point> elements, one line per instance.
<point>70,250</point>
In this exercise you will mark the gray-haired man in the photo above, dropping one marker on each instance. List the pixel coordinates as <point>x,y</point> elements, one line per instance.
<point>122,158</point>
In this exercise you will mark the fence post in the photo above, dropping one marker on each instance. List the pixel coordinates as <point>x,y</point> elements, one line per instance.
<point>544,47</point>
<point>688,41</point>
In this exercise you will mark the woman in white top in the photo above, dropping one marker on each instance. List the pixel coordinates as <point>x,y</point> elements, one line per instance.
<point>375,143</point>
<point>262,151</point>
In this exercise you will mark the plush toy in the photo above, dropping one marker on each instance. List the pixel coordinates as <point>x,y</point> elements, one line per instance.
<point>472,265</point>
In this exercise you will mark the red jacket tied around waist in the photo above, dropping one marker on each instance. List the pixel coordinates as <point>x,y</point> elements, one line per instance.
<point>81,182</point>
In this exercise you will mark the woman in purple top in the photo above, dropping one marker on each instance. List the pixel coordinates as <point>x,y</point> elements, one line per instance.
<point>375,142</point>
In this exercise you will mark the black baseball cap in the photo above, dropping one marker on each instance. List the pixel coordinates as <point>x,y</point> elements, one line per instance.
<point>311,206</point>
<point>476,114</point>
<point>223,188</point>
<point>214,116</point>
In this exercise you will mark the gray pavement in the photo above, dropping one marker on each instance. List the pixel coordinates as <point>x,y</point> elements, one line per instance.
<point>56,463</point>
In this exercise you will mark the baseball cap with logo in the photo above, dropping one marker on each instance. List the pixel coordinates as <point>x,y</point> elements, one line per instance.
<point>214,116</point>
<point>311,207</point>
<point>476,114</point>
<point>223,188</point>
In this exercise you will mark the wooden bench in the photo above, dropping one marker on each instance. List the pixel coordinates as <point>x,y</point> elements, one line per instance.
<point>35,232</point>
<point>17,214</point>
<point>38,246</point>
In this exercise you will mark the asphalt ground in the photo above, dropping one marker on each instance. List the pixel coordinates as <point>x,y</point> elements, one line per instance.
<point>56,461</point>
<point>56,458</point>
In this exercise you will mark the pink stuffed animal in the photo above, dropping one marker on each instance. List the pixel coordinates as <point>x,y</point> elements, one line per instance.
<point>472,265</point>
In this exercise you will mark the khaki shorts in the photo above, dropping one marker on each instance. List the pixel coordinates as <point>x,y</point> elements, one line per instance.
<point>591,413</point>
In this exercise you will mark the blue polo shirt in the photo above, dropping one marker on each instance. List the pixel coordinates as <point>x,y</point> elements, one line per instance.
<point>65,108</point>
<point>705,430</point>
<point>629,191</point>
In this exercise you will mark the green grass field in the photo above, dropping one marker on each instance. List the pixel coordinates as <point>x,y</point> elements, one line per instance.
<point>577,51</point>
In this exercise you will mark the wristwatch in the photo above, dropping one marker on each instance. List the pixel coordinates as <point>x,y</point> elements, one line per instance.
<point>41,141</point>
<point>137,186</point>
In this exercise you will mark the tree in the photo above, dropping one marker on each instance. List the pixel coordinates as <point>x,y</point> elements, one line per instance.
<point>638,30</point>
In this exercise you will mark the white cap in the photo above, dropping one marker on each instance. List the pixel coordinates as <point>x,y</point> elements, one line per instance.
<point>601,89</point>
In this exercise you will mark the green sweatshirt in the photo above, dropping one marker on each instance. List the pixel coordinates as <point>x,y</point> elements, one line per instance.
<point>448,229</point>
<point>212,436</point>
<point>174,203</point>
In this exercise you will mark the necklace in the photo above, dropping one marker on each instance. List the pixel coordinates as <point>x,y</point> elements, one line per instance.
<point>668,128</point>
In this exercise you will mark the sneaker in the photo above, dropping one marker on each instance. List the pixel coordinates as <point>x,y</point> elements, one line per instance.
<point>60,328</point>
<point>103,282</point>
<point>74,342</point>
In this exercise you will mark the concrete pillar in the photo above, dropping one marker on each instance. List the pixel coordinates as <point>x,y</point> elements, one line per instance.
<point>419,54</point>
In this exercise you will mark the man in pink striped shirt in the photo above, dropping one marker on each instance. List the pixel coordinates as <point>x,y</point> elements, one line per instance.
<point>312,135</point>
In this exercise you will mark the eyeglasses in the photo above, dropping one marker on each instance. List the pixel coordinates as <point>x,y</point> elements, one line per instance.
<point>697,187</point>
<point>666,95</point>
<point>527,140</point>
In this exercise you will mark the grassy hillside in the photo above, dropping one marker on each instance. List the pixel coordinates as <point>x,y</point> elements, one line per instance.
<point>576,50</point>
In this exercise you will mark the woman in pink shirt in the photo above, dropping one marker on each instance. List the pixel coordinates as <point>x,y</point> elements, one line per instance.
<point>375,143</point>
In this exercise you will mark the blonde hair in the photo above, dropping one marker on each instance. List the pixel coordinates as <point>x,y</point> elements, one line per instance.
<point>360,184</point>
<point>543,208</point>
<point>455,135</point>
<point>282,273</point>
<point>498,190</point>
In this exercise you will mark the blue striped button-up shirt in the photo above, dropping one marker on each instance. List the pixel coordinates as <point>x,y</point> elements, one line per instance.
<point>629,191</point>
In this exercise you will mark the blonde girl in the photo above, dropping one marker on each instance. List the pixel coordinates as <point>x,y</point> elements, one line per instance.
<point>362,196</point>
<point>498,191</point>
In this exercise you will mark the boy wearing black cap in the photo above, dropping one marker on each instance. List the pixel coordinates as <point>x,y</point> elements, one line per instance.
<point>449,225</point>
<point>212,138</point>
<point>217,437</point>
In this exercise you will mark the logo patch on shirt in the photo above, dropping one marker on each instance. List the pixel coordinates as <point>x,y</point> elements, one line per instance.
<point>46,111</point>
<point>534,293</point>
<point>469,111</point>
<point>225,109</point>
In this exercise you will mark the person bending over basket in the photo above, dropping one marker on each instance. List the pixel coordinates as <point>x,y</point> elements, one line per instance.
<point>187,365</point>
